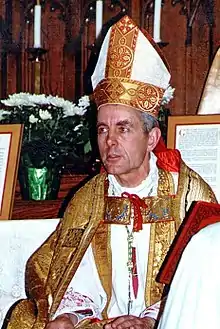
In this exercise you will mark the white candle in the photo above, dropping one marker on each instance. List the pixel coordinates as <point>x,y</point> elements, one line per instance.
<point>99,17</point>
<point>157,15</point>
<point>37,26</point>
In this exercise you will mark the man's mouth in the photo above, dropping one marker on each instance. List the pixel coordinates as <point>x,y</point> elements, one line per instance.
<point>112,157</point>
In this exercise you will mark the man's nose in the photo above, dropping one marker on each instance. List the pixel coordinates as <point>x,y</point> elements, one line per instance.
<point>111,138</point>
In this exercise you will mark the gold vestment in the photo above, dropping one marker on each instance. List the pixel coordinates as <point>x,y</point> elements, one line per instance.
<point>51,268</point>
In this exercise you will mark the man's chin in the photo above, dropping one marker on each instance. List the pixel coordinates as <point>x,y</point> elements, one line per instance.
<point>114,170</point>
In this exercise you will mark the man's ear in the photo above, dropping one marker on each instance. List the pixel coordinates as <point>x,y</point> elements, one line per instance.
<point>153,138</point>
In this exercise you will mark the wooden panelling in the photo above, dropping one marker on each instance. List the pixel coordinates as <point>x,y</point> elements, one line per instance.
<point>69,38</point>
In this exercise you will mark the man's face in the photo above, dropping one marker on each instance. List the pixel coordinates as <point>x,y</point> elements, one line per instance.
<point>124,146</point>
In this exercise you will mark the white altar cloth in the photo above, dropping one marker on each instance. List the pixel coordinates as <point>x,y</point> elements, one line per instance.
<point>18,240</point>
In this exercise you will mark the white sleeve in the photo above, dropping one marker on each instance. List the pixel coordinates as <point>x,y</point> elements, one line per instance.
<point>152,311</point>
<point>85,296</point>
<point>155,310</point>
<point>80,305</point>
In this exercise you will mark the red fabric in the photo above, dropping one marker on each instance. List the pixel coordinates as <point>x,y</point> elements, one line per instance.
<point>134,273</point>
<point>208,221</point>
<point>138,204</point>
<point>201,214</point>
<point>95,320</point>
<point>166,158</point>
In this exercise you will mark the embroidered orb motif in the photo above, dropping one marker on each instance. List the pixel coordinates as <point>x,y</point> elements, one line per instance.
<point>121,58</point>
<point>148,97</point>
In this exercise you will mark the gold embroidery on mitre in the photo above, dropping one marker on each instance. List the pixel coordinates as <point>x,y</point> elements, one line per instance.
<point>117,87</point>
<point>121,49</point>
<point>142,96</point>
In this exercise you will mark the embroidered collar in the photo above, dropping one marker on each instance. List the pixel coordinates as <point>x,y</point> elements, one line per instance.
<point>159,207</point>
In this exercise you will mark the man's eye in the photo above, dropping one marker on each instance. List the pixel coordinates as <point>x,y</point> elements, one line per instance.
<point>124,129</point>
<point>101,130</point>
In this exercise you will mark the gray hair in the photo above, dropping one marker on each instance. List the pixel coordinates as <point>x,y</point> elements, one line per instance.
<point>149,122</point>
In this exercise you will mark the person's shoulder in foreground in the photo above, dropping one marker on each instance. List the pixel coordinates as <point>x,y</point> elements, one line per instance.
<point>193,299</point>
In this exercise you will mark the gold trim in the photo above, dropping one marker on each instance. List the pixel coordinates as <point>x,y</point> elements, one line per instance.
<point>59,257</point>
<point>161,235</point>
<point>117,87</point>
<point>191,187</point>
<point>103,260</point>
<point>121,50</point>
<point>139,95</point>
<point>68,257</point>
<point>23,315</point>
<point>150,264</point>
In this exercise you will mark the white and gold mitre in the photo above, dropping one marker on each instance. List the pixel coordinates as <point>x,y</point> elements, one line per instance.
<point>130,69</point>
<point>210,100</point>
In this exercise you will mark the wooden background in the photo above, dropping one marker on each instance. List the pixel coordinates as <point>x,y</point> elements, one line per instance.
<point>190,27</point>
<point>68,34</point>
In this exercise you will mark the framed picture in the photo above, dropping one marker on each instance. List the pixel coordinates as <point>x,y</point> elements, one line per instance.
<point>10,146</point>
<point>197,137</point>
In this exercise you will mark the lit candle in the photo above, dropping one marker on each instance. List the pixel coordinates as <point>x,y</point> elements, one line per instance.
<point>37,25</point>
<point>99,15</point>
<point>157,14</point>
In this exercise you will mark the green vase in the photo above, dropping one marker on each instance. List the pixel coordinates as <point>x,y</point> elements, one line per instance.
<point>39,183</point>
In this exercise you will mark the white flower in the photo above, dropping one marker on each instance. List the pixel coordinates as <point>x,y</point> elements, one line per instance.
<point>3,113</point>
<point>80,110</point>
<point>58,101</point>
<point>21,99</point>
<point>168,95</point>
<point>70,111</point>
<point>84,101</point>
<point>33,100</point>
<point>50,118</point>
<point>78,127</point>
<point>45,115</point>
<point>33,119</point>
<point>38,99</point>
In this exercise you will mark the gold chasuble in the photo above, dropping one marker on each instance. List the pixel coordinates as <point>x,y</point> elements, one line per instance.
<point>88,220</point>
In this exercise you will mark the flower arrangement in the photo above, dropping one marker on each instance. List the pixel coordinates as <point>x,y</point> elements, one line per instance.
<point>54,128</point>
<point>168,95</point>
